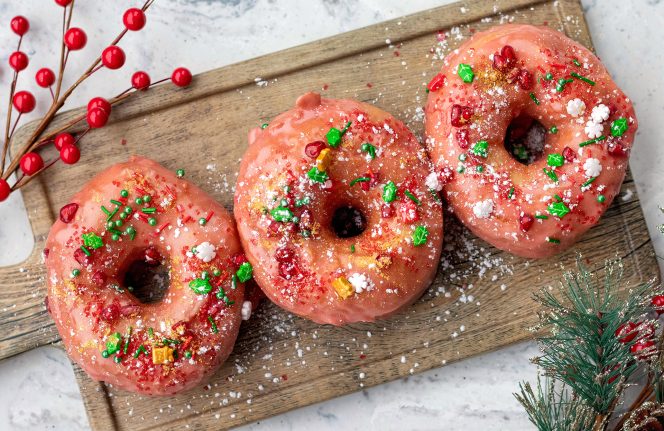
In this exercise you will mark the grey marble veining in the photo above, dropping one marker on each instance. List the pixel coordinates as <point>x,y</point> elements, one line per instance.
<point>39,390</point>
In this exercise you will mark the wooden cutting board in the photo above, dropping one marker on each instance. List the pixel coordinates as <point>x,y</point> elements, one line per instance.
<point>480,300</point>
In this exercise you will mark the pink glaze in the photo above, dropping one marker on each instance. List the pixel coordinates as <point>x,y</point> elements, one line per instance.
<point>296,263</point>
<point>499,94</point>
<point>91,306</point>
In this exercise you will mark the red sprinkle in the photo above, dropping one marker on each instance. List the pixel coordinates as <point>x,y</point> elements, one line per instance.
<point>82,258</point>
<point>313,149</point>
<point>460,115</point>
<point>462,138</point>
<point>526,222</point>
<point>569,154</point>
<point>526,80</point>
<point>209,216</point>
<point>386,211</point>
<point>436,82</point>
<point>68,212</point>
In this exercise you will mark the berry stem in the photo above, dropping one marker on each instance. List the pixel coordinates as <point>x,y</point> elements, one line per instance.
<point>5,147</point>
<point>20,183</point>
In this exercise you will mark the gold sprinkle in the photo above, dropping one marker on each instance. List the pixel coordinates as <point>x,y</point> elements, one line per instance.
<point>324,160</point>
<point>342,286</point>
<point>162,355</point>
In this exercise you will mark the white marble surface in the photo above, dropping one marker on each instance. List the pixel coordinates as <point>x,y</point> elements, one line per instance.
<point>39,390</point>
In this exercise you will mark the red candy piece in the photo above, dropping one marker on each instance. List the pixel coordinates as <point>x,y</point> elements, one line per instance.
<point>460,115</point>
<point>386,211</point>
<point>437,82</point>
<point>507,52</point>
<point>617,150</point>
<point>313,149</point>
<point>68,212</point>
<point>152,256</point>
<point>408,210</point>
<point>462,138</point>
<point>526,80</point>
<point>526,222</point>
<point>99,278</point>
<point>569,154</point>
<point>82,258</point>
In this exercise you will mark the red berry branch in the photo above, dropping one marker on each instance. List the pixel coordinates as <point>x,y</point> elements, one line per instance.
<point>27,163</point>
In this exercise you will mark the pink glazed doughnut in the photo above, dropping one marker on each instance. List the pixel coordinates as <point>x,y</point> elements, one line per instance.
<point>335,212</point>
<point>140,212</point>
<point>534,135</point>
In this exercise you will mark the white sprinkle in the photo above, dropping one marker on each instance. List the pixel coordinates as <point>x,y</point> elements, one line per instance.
<point>592,167</point>
<point>360,282</point>
<point>432,182</point>
<point>205,252</point>
<point>483,209</point>
<point>246,310</point>
<point>576,107</point>
<point>600,113</point>
<point>593,129</point>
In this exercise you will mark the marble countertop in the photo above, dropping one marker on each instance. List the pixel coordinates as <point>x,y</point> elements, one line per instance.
<point>40,391</point>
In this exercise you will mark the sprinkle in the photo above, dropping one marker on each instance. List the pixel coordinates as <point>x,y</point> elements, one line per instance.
<point>282,214</point>
<point>360,282</point>
<point>150,210</point>
<point>576,107</point>
<point>592,167</point>
<point>214,325</point>
<point>558,209</point>
<point>558,198</point>
<point>234,282</point>
<point>118,203</point>
<point>324,160</point>
<point>552,240</point>
<point>141,349</point>
<point>179,173</point>
<point>532,96</point>
<point>107,212</point>
<point>481,149</point>
<point>264,126</point>
<point>420,236</point>
<point>561,84</point>
<point>601,199</point>
<point>222,295</point>
<point>245,312</point>
<point>124,193</point>
<point>126,343</point>
<point>436,82</point>
<point>583,78</point>
<point>244,272</point>
<point>551,174</point>
<point>162,227</point>
<point>200,286</point>
<point>619,127</point>
<point>541,216</point>
<point>553,130</point>
<point>466,73</point>
<point>369,149</point>
<point>202,221</point>
<point>412,197</point>
<point>187,354</point>
<point>205,251</point>
<point>389,192</point>
<point>343,287</point>
<point>511,193</point>
<point>592,141</point>
<point>113,343</point>
<point>152,221</point>
<point>588,182</point>
<point>162,355</point>
<point>548,76</point>
<point>432,182</point>
<point>147,198</point>
<point>304,201</point>
<point>479,168</point>
<point>576,63</point>
<point>555,160</point>
<point>600,113</point>
<point>360,180</point>
<point>593,129</point>
<point>75,272</point>
<point>352,248</point>
<point>85,250</point>
<point>315,175</point>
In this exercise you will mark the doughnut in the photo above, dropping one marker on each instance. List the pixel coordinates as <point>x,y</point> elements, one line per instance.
<point>337,209</point>
<point>140,215</point>
<point>531,135</point>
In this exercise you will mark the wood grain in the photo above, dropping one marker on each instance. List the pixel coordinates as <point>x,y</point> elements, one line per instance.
<point>282,362</point>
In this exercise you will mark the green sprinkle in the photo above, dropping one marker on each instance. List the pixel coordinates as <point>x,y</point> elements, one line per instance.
<point>601,199</point>
<point>245,272</point>
<point>110,225</point>
<point>541,216</point>
<point>282,214</point>
<point>105,211</point>
<point>187,354</point>
<point>152,221</point>
<point>234,282</point>
<point>558,198</point>
<point>481,149</point>
<point>216,272</point>
<point>461,168</point>
<point>117,359</point>
<point>352,248</point>
<point>128,210</point>
<point>553,130</point>
<point>222,295</point>
<point>576,62</point>
<point>118,203</point>
<point>202,221</point>
<point>562,82</point>
<point>170,341</point>
<point>214,325</point>
<point>466,73</point>
<point>123,216</point>
<point>318,176</point>
<point>200,286</point>
<point>334,135</point>
<point>204,275</point>
<point>558,209</point>
<point>264,126</point>
<point>118,223</point>
<point>412,197</point>
<point>619,127</point>
<point>389,192</point>
<point>75,272</point>
<point>370,149</point>
<point>551,174</point>
<point>552,240</point>
<point>127,339</point>
<point>131,232</point>
<point>304,201</point>
<point>150,210</point>
<point>555,160</point>
<point>139,201</point>
<point>124,193</point>
<point>420,236</point>
<point>147,198</point>
<point>92,240</point>
<point>150,332</point>
<point>360,180</point>
<point>113,343</point>
<point>105,354</point>
<point>520,152</point>
<point>179,173</point>
<point>115,237</point>
<point>583,78</point>
<point>511,193</point>
<point>463,157</point>
<point>85,250</point>
<point>548,76</point>
<point>479,168</point>
<point>141,349</point>
<point>532,96</point>
<point>588,182</point>
<point>593,141</point>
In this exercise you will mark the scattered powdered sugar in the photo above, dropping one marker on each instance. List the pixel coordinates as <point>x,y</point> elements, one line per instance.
<point>432,182</point>
<point>246,310</point>
<point>483,209</point>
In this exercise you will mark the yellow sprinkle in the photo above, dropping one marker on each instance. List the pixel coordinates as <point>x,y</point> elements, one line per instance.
<point>323,160</point>
<point>162,355</point>
<point>343,287</point>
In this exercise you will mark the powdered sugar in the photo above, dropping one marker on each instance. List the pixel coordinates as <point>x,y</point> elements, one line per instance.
<point>483,209</point>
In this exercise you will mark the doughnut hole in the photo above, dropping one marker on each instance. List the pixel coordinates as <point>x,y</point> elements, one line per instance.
<point>348,221</point>
<point>147,278</point>
<point>525,139</point>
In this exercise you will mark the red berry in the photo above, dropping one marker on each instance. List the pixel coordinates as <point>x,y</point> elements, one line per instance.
<point>20,25</point>
<point>97,118</point>
<point>313,149</point>
<point>181,77</point>
<point>31,163</point>
<point>63,3</point>
<point>626,332</point>
<point>63,139</point>
<point>68,212</point>
<point>4,190</point>
<point>70,154</point>
<point>509,56</point>
<point>140,81</point>
<point>569,154</point>
<point>75,39</point>
<point>526,80</point>
<point>113,57</point>
<point>437,82</point>
<point>658,302</point>
<point>526,222</point>
<point>18,61</point>
<point>99,102</point>
<point>24,102</point>
<point>134,19</point>
<point>643,349</point>
<point>460,115</point>
<point>45,77</point>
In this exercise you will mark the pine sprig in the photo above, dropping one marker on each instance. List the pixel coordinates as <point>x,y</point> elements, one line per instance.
<point>580,350</point>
